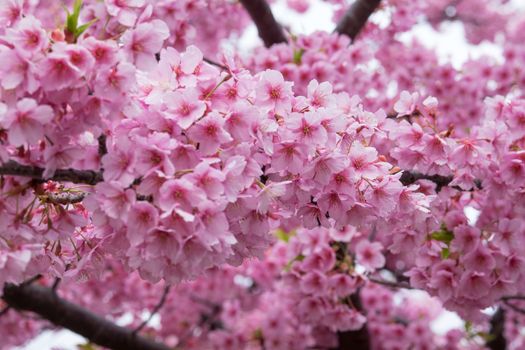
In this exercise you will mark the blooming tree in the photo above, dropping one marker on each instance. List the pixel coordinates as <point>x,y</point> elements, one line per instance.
<point>309,194</point>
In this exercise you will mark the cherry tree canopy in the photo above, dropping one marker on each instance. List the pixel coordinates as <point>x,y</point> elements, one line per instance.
<point>297,196</point>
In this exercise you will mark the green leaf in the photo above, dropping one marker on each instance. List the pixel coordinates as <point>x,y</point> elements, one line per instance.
<point>84,27</point>
<point>298,56</point>
<point>283,235</point>
<point>445,253</point>
<point>72,18</point>
<point>86,346</point>
<point>486,336</point>
<point>443,235</point>
<point>288,266</point>
<point>468,326</point>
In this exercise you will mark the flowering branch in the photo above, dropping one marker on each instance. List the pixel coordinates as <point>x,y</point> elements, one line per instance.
<point>269,30</point>
<point>89,177</point>
<point>355,17</point>
<point>46,303</point>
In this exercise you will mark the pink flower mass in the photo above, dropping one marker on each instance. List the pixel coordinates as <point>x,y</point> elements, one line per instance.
<point>164,185</point>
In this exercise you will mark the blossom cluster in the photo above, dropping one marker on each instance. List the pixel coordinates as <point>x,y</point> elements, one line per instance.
<point>275,192</point>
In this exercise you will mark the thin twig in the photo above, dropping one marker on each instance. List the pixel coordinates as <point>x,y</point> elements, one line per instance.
<point>216,64</point>
<point>155,309</point>
<point>390,283</point>
<point>56,283</point>
<point>513,307</point>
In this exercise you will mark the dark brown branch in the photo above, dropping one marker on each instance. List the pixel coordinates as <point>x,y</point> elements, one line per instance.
<point>356,17</point>
<point>358,339</point>
<point>56,283</point>
<point>410,177</point>
<point>102,147</point>
<point>497,327</point>
<point>155,309</point>
<point>269,30</point>
<point>513,297</point>
<point>89,177</point>
<point>44,302</point>
<point>390,284</point>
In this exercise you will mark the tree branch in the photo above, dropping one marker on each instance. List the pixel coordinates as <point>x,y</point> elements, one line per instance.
<point>155,309</point>
<point>358,339</point>
<point>410,177</point>
<point>44,302</point>
<point>356,17</point>
<point>65,197</point>
<point>89,177</point>
<point>497,327</point>
<point>390,284</point>
<point>269,30</point>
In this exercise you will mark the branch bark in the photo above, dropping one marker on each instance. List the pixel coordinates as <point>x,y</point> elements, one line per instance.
<point>269,30</point>
<point>355,340</point>
<point>44,302</point>
<point>356,17</point>
<point>89,177</point>
<point>409,177</point>
<point>497,327</point>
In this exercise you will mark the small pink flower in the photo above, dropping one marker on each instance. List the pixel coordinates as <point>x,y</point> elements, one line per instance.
<point>342,284</point>
<point>10,12</point>
<point>209,133</point>
<point>126,11</point>
<point>28,36</point>
<point>290,156</point>
<point>184,106</point>
<point>474,285</point>
<point>314,283</point>
<point>17,71</point>
<point>480,260</point>
<point>407,103</point>
<point>369,254</point>
<point>118,165</point>
<point>274,92</point>
<point>320,95</point>
<point>142,217</point>
<point>26,123</point>
<point>180,193</point>
<point>58,72</point>
<point>307,128</point>
<point>142,43</point>
<point>104,52</point>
